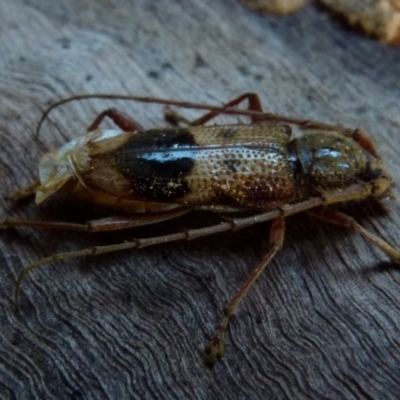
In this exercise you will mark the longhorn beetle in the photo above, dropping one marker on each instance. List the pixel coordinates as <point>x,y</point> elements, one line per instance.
<point>273,167</point>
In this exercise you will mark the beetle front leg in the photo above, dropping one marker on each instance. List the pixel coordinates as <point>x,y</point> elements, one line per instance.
<point>358,135</point>
<point>215,348</point>
<point>339,218</point>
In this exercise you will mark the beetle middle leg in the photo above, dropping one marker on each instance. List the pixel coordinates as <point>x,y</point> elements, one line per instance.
<point>122,121</point>
<point>254,104</point>
<point>216,346</point>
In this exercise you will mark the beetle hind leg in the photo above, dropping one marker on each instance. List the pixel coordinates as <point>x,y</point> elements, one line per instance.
<point>215,348</point>
<point>100,225</point>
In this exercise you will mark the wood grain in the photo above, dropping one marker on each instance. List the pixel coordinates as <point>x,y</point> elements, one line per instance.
<point>323,320</point>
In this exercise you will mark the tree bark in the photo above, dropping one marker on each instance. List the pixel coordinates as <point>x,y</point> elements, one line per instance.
<point>323,319</point>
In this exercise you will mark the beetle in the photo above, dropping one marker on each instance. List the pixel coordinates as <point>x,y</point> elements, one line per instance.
<point>273,167</point>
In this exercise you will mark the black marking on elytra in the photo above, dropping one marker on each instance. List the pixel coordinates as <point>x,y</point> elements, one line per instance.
<point>157,162</point>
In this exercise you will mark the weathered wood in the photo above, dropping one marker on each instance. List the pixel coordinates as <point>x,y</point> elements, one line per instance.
<point>323,320</point>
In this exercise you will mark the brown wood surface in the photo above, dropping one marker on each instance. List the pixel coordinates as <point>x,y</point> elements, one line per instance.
<point>323,320</point>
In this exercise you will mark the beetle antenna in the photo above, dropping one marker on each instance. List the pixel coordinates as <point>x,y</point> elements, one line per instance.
<point>143,99</point>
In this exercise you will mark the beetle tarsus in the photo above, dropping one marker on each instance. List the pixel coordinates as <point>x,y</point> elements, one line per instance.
<point>215,348</point>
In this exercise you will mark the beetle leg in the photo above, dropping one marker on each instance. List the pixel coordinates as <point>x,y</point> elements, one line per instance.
<point>118,223</point>
<point>357,191</point>
<point>216,346</point>
<point>100,225</point>
<point>234,224</point>
<point>363,140</point>
<point>174,118</point>
<point>127,124</point>
<point>339,218</point>
<point>358,135</point>
<point>254,104</point>
<point>139,243</point>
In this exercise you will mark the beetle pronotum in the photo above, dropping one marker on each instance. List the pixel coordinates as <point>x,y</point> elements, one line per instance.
<point>274,167</point>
